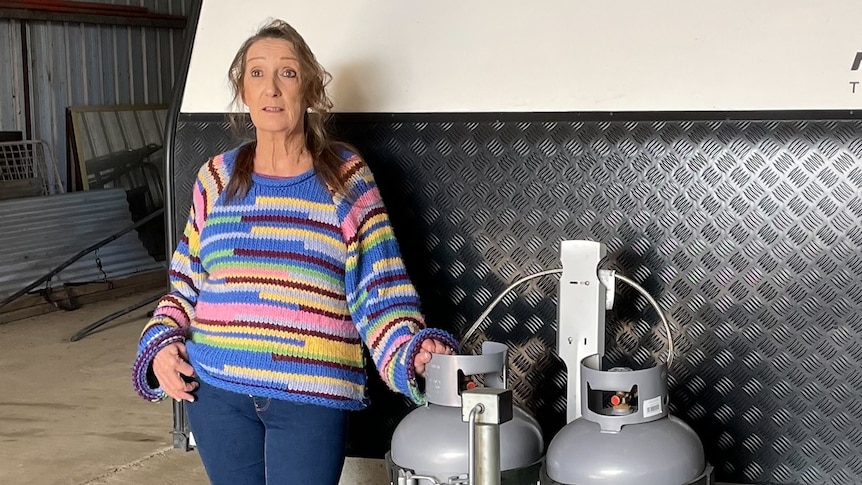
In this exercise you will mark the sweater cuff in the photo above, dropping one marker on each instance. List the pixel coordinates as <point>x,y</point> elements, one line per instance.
<point>407,380</point>
<point>154,339</point>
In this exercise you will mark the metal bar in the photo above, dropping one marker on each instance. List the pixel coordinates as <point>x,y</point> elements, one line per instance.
<point>181,431</point>
<point>25,62</point>
<point>150,20</point>
<point>472,450</point>
<point>487,461</point>
<point>90,328</point>
<point>80,5</point>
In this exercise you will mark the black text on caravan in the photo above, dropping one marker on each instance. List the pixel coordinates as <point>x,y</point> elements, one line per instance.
<point>857,63</point>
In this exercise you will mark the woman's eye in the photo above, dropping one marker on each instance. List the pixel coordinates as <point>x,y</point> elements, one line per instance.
<point>288,73</point>
<point>256,73</point>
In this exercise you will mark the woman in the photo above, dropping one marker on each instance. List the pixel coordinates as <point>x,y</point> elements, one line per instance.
<point>287,265</point>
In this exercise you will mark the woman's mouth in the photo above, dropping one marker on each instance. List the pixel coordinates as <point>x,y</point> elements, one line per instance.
<point>273,109</point>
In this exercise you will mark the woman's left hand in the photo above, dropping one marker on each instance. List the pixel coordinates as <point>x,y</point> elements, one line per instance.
<point>429,346</point>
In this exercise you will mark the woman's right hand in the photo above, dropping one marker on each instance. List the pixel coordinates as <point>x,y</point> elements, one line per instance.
<point>168,364</point>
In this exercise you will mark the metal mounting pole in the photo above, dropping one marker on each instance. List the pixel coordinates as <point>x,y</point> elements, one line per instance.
<point>485,409</point>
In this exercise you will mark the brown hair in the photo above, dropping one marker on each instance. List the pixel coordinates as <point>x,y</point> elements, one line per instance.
<point>323,149</point>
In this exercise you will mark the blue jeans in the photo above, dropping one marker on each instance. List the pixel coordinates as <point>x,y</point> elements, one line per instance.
<point>260,441</point>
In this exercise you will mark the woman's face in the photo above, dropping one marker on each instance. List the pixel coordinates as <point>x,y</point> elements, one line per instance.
<point>272,87</point>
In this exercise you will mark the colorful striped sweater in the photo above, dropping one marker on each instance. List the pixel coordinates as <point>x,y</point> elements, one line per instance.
<point>275,293</point>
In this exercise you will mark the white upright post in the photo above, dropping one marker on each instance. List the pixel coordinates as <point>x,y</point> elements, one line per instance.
<point>581,319</point>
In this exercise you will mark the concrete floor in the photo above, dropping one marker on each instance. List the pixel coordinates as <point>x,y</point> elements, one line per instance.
<point>68,414</point>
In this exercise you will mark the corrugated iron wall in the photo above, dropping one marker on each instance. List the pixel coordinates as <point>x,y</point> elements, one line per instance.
<point>40,233</point>
<point>73,64</point>
<point>11,77</point>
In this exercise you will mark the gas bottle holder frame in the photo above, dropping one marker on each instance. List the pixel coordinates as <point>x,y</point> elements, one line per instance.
<point>608,278</point>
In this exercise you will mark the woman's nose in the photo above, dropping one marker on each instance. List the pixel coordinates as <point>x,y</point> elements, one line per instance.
<point>272,89</point>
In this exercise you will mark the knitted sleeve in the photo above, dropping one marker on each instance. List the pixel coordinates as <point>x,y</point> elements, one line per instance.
<point>175,311</point>
<point>382,300</point>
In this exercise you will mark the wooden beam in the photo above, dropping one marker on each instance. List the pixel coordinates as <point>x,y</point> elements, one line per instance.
<point>14,189</point>
<point>34,305</point>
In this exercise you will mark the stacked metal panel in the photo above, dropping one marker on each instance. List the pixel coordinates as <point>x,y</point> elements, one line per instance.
<point>38,234</point>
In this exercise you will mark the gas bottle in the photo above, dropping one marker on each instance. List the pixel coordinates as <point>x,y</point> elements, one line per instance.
<point>625,434</point>
<point>430,445</point>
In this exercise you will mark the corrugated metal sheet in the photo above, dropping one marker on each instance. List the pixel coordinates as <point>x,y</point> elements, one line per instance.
<point>75,64</point>
<point>40,233</point>
<point>100,133</point>
<point>11,77</point>
<point>121,140</point>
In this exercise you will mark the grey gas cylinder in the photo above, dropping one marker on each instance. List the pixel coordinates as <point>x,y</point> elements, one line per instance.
<point>625,434</point>
<point>430,445</point>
